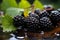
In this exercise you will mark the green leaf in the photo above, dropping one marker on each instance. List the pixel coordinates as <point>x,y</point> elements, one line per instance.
<point>38,4</point>
<point>24,4</point>
<point>7,24</point>
<point>8,3</point>
<point>14,11</point>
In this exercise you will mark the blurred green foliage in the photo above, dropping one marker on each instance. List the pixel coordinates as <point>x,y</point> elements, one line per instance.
<point>55,3</point>
<point>8,3</point>
<point>24,3</point>
<point>38,4</point>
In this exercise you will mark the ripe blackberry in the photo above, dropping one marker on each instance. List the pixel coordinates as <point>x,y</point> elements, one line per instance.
<point>32,24</point>
<point>45,24</point>
<point>34,15</point>
<point>37,11</point>
<point>18,21</point>
<point>44,14</point>
<point>55,17</point>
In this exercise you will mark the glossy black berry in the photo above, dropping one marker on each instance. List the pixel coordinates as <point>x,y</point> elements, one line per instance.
<point>45,24</point>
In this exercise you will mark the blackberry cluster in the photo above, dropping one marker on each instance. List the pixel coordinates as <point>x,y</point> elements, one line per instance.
<point>32,24</point>
<point>37,22</point>
<point>46,24</point>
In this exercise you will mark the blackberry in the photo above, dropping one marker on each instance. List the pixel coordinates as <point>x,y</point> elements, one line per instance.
<point>32,24</point>
<point>18,21</point>
<point>46,24</point>
<point>44,14</point>
<point>55,17</point>
<point>37,11</point>
<point>34,15</point>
